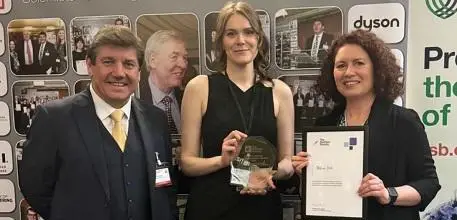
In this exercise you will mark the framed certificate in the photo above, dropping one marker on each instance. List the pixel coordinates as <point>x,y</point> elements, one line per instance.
<point>331,179</point>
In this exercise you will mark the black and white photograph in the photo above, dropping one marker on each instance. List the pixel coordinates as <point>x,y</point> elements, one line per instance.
<point>19,149</point>
<point>81,85</point>
<point>291,206</point>
<point>175,148</point>
<point>181,204</point>
<point>211,52</point>
<point>171,60</point>
<point>27,212</point>
<point>304,35</point>
<point>28,94</point>
<point>83,30</point>
<point>37,47</point>
<point>183,180</point>
<point>308,103</point>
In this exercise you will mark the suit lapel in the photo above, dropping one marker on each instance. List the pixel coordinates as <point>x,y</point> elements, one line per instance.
<point>178,94</point>
<point>147,134</point>
<point>145,90</point>
<point>85,117</point>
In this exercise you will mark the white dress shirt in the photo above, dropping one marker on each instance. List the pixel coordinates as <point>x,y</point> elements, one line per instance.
<point>158,95</point>
<point>316,42</point>
<point>104,110</point>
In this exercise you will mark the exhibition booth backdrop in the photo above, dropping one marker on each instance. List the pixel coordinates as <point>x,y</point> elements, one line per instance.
<point>69,26</point>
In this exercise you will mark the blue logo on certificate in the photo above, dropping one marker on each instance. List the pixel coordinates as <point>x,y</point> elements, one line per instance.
<point>351,143</point>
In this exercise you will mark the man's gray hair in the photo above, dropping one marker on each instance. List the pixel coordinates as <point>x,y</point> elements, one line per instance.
<point>156,40</point>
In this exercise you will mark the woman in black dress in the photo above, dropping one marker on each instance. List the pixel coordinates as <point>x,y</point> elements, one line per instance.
<point>79,53</point>
<point>212,110</point>
<point>361,75</point>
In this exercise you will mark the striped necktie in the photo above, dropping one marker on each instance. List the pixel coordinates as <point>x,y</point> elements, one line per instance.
<point>171,124</point>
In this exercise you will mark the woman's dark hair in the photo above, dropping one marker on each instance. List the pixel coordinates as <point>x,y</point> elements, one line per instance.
<point>387,76</point>
<point>77,39</point>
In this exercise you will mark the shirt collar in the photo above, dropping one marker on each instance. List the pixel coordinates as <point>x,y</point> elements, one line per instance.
<point>157,94</point>
<point>104,110</point>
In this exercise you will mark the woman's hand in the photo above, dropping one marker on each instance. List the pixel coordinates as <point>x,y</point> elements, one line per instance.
<point>300,161</point>
<point>373,186</point>
<point>260,181</point>
<point>230,147</point>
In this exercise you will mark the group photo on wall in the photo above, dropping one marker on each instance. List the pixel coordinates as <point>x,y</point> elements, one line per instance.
<point>28,95</point>
<point>37,47</point>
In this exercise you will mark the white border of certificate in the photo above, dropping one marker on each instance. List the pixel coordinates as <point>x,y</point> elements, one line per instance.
<point>331,179</point>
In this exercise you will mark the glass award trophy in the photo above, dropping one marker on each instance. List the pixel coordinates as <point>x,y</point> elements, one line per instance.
<point>256,154</point>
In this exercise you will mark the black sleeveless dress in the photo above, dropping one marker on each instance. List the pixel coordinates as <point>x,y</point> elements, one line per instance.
<point>211,196</point>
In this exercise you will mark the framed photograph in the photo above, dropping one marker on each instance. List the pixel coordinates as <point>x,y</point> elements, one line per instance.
<point>38,47</point>
<point>291,208</point>
<point>81,85</point>
<point>83,30</point>
<point>19,150</point>
<point>27,211</point>
<point>304,35</point>
<point>308,103</point>
<point>175,148</point>
<point>181,203</point>
<point>28,94</point>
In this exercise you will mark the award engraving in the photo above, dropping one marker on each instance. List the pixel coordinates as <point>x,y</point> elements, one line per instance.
<point>255,153</point>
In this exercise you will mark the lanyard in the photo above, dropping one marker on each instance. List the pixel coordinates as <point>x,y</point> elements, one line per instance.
<point>247,127</point>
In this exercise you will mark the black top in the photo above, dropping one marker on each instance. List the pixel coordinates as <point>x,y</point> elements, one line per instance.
<point>398,153</point>
<point>212,196</point>
<point>78,56</point>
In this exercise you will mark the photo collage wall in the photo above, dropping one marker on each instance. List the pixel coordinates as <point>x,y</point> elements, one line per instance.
<point>43,59</point>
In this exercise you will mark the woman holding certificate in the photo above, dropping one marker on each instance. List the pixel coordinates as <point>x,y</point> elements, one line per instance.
<point>361,75</point>
<point>222,111</point>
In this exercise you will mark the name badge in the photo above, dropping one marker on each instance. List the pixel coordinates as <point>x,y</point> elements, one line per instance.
<point>163,177</point>
<point>46,54</point>
<point>162,173</point>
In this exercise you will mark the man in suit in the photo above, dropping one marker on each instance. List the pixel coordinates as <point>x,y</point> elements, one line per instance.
<point>47,55</point>
<point>27,52</point>
<point>211,52</point>
<point>101,154</point>
<point>166,62</point>
<point>318,44</point>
